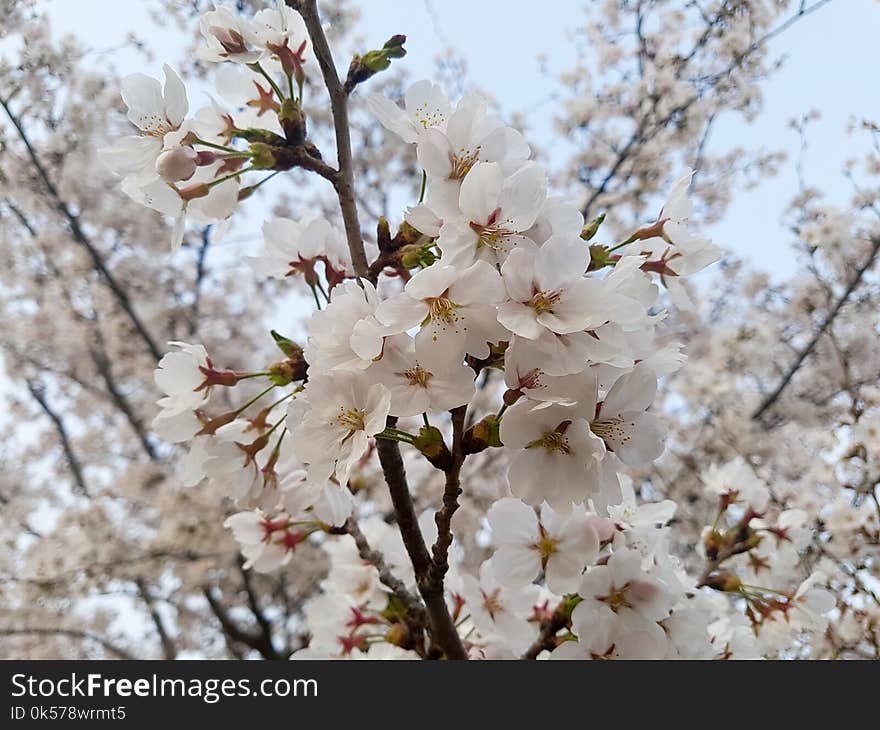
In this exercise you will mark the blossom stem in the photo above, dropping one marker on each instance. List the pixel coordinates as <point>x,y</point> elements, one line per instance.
<point>425,419</point>
<point>619,245</point>
<point>322,290</point>
<point>204,143</point>
<point>395,434</point>
<point>254,400</point>
<point>260,70</point>
<point>315,295</point>
<point>247,376</point>
<point>281,400</point>
<point>424,186</point>
<point>277,424</point>
<point>230,176</point>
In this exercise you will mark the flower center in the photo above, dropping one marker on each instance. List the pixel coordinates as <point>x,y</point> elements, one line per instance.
<point>352,419</point>
<point>612,429</point>
<point>417,376</point>
<point>616,600</point>
<point>441,308</point>
<point>492,234</point>
<point>463,161</point>
<point>554,440</point>
<point>546,546</point>
<point>531,380</point>
<point>492,603</point>
<point>544,301</point>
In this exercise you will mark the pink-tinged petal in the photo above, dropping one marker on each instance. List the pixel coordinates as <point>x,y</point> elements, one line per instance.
<point>431,282</point>
<point>522,196</point>
<point>480,283</point>
<point>176,105</point>
<point>516,566</point>
<point>480,191</point>
<point>146,106</point>
<point>520,319</point>
<point>517,273</point>
<point>392,117</point>
<point>633,391</point>
<point>562,259</point>
<point>434,154</point>
<point>513,522</point>
<point>400,313</point>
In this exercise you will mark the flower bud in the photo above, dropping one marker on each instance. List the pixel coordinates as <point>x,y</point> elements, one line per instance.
<point>176,164</point>
<point>430,442</point>
<point>263,157</point>
<point>482,435</point>
<point>592,228</point>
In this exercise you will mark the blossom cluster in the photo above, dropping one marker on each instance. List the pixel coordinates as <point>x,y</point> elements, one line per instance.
<point>490,283</point>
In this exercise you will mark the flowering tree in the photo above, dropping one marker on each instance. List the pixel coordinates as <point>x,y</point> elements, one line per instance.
<point>450,456</point>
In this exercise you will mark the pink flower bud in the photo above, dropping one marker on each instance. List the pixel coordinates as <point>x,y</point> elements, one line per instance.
<point>178,163</point>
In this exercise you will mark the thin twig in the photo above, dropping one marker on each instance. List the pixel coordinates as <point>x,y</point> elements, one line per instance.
<point>443,629</point>
<point>71,633</point>
<point>389,580</point>
<point>73,463</point>
<point>169,651</point>
<point>80,237</point>
<point>344,179</point>
<point>829,319</point>
<point>451,492</point>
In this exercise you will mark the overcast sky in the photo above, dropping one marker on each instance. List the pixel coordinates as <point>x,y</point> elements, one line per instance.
<point>831,62</point>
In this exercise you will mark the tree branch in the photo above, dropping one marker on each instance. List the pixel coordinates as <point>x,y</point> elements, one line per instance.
<point>234,632</point>
<point>72,633</point>
<point>443,629</point>
<point>169,651</point>
<point>826,323</point>
<point>73,464</point>
<point>343,181</point>
<point>121,402</point>
<point>391,581</point>
<point>80,237</point>
<point>451,492</point>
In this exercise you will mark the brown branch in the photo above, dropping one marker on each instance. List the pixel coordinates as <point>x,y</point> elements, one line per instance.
<point>389,580</point>
<point>451,492</point>
<point>256,641</point>
<point>81,238</point>
<point>826,323</point>
<point>169,651</point>
<point>343,180</point>
<point>443,629</point>
<point>72,633</point>
<point>558,620</point>
<point>254,603</point>
<point>73,463</point>
<point>105,370</point>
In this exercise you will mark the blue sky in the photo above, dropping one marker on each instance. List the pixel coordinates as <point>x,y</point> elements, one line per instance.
<point>831,61</point>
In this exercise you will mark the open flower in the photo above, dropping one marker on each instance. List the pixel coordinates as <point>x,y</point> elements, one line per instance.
<point>500,611</point>
<point>346,335</point>
<point>559,546</point>
<point>425,107</point>
<point>180,375</point>
<point>622,421</point>
<point>557,455</point>
<point>548,290</point>
<point>333,420</point>
<point>457,309</point>
<point>297,247</point>
<point>496,211</point>
<point>422,379</point>
<point>158,114</point>
<point>229,37</point>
